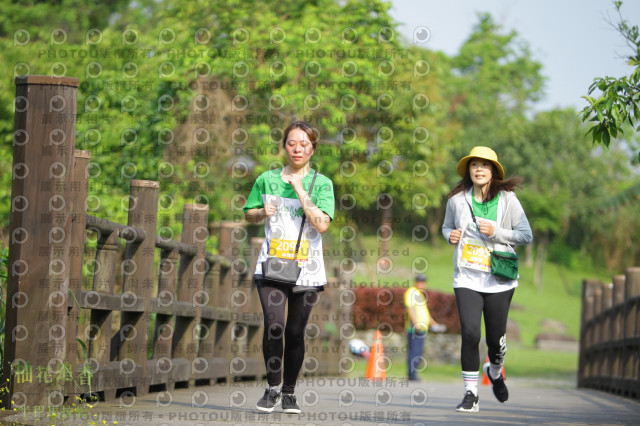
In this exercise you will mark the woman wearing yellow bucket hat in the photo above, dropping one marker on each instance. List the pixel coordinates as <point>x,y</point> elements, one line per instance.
<point>483,214</point>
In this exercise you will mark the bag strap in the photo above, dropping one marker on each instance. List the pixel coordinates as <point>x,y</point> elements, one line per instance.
<point>473,216</point>
<point>304,217</point>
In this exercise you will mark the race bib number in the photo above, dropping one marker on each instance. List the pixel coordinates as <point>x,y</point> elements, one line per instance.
<point>475,255</point>
<point>285,249</point>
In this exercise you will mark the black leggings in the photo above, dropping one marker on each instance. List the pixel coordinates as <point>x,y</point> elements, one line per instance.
<point>495,306</point>
<point>273,302</point>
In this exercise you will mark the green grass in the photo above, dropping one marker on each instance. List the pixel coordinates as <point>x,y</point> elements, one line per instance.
<point>522,361</point>
<point>558,298</point>
<point>398,369</point>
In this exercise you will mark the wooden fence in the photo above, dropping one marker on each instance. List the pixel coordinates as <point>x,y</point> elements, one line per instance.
<point>610,335</point>
<point>64,340</point>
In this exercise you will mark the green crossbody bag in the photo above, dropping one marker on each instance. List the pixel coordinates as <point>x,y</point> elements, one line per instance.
<point>504,264</point>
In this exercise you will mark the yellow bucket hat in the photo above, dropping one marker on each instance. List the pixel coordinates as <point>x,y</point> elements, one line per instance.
<point>480,152</point>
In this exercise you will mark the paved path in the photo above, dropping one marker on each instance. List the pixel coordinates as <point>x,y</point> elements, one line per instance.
<point>342,401</point>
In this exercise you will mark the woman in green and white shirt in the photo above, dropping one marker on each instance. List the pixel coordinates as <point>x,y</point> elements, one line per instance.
<point>501,224</point>
<point>281,197</point>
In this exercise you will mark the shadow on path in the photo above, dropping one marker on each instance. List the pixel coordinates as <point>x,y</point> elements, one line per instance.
<point>338,401</point>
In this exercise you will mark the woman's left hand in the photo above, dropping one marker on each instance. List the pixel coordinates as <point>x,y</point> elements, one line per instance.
<point>295,180</point>
<point>486,227</point>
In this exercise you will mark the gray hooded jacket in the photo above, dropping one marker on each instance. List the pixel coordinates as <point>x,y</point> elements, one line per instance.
<point>512,229</point>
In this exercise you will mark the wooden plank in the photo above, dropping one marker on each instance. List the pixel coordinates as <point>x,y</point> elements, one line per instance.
<point>111,302</point>
<point>104,226</point>
<point>168,371</point>
<point>181,309</point>
<point>220,314</point>
<point>212,369</point>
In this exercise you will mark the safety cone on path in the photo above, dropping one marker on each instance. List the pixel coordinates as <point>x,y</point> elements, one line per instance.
<point>485,378</point>
<point>375,366</point>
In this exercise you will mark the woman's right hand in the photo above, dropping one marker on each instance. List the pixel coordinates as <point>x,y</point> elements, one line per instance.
<point>454,237</point>
<point>270,208</point>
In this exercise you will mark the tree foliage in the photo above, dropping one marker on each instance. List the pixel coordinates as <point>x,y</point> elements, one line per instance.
<point>619,99</point>
<point>497,81</point>
<point>196,95</point>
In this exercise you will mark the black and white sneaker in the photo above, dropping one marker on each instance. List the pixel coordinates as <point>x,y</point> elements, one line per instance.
<point>289,404</point>
<point>269,401</point>
<point>469,403</point>
<point>499,388</point>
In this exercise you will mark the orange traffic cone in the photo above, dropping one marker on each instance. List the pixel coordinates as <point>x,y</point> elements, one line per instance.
<point>485,378</point>
<point>375,366</point>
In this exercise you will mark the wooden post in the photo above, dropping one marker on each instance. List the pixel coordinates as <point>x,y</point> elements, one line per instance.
<point>137,271</point>
<point>606,332</point>
<point>241,297</point>
<point>617,328</point>
<point>40,230</point>
<point>164,329</point>
<point>385,231</point>
<point>204,367</point>
<point>618,301</point>
<point>78,198</point>
<point>190,281</point>
<point>228,247</point>
<point>101,321</point>
<point>344,311</point>
<point>631,367</point>
<point>586,341</point>
<point>632,289</point>
<point>247,299</point>
<point>224,324</point>
<point>607,297</point>
<point>254,298</point>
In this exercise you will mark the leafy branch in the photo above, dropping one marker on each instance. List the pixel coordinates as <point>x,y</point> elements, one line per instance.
<point>619,100</point>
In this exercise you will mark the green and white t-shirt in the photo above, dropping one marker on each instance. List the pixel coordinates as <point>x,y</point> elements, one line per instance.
<point>475,256</point>
<point>281,230</point>
<point>476,248</point>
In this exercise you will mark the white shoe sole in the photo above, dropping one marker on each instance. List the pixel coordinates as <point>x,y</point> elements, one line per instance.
<point>292,411</point>
<point>473,409</point>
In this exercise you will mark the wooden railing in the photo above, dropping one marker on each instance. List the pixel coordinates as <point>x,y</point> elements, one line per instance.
<point>69,335</point>
<point>610,335</point>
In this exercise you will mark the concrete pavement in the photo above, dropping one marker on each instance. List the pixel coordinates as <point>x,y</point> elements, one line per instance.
<point>345,401</point>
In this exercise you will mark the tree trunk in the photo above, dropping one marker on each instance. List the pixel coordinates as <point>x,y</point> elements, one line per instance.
<point>529,255</point>
<point>435,226</point>
<point>385,232</point>
<point>541,256</point>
